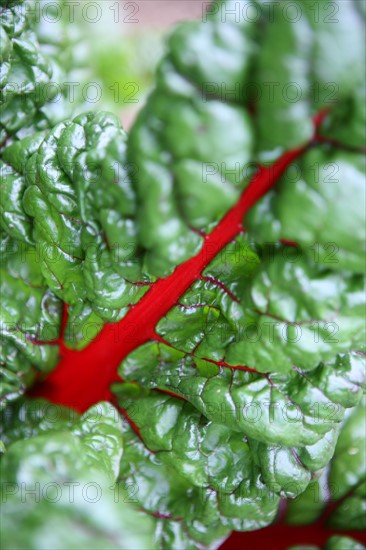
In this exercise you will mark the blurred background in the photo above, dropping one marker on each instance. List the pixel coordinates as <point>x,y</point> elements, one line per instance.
<point>121,42</point>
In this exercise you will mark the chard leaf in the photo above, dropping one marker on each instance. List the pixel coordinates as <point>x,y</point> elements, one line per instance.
<point>334,49</point>
<point>210,479</point>
<point>30,319</point>
<point>26,71</point>
<point>257,370</point>
<point>188,175</point>
<point>284,59</point>
<point>342,484</point>
<point>71,474</point>
<point>74,200</point>
<point>308,205</point>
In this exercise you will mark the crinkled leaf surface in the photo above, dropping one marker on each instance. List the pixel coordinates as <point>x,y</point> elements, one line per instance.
<point>287,392</point>
<point>343,482</point>
<point>287,312</point>
<point>263,354</point>
<point>27,418</point>
<point>347,473</point>
<point>25,70</point>
<point>334,49</point>
<point>280,67</point>
<point>79,202</point>
<point>41,56</point>
<point>30,318</point>
<point>309,203</point>
<point>193,469</point>
<point>71,196</point>
<point>73,471</point>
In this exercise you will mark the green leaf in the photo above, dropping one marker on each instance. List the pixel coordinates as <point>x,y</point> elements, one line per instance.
<point>287,397</point>
<point>188,175</point>
<point>347,473</point>
<point>57,475</point>
<point>27,418</point>
<point>190,468</point>
<point>30,319</point>
<point>337,69</point>
<point>240,398</point>
<point>343,484</point>
<point>42,57</point>
<point>99,430</point>
<point>14,220</point>
<point>343,543</point>
<point>308,204</point>
<point>282,77</point>
<point>80,200</point>
<point>282,314</point>
<point>25,71</point>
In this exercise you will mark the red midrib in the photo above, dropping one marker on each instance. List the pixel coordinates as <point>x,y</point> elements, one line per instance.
<point>82,378</point>
<point>281,536</point>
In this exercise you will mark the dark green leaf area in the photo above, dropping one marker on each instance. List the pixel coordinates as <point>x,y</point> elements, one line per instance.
<point>342,485</point>
<point>30,319</point>
<point>189,176</point>
<point>292,420</point>
<point>26,71</point>
<point>318,203</point>
<point>192,470</point>
<point>69,193</point>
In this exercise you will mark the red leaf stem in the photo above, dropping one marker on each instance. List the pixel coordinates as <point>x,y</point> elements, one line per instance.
<point>83,378</point>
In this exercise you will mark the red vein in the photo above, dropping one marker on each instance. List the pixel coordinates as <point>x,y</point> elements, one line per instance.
<point>171,393</point>
<point>222,286</point>
<point>340,145</point>
<point>83,378</point>
<point>232,367</point>
<point>160,339</point>
<point>133,424</point>
<point>160,516</point>
<point>286,242</point>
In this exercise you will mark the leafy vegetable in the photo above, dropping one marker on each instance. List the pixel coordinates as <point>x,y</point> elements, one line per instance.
<point>241,307</point>
<point>84,211</point>
<point>30,318</point>
<point>194,470</point>
<point>71,465</point>
<point>25,70</point>
<point>344,482</point>
<point>43,67</point>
